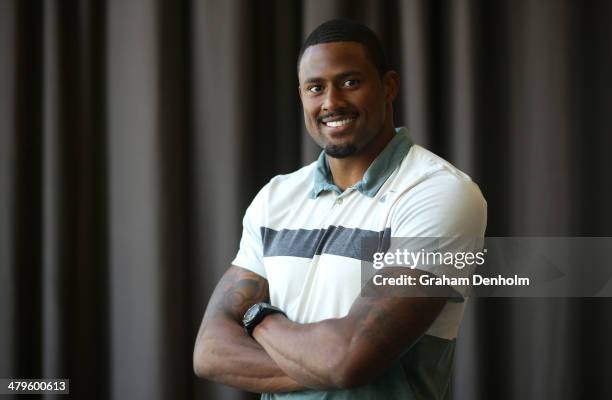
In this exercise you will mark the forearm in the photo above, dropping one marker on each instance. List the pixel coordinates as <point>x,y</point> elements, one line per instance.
<point>349,351</point>
<point>227,355</point>
<point>308,353</point>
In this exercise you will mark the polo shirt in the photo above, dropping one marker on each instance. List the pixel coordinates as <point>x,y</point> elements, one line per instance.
<point>304,235</point>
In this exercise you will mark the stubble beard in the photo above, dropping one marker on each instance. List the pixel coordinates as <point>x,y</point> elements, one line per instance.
<point>340,151</point>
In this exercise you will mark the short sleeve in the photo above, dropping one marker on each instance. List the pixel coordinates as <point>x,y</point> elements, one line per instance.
<point>250,253</point>
<point>442,215</point>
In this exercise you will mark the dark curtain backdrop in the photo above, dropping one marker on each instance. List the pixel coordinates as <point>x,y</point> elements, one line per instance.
<point>135,133</point>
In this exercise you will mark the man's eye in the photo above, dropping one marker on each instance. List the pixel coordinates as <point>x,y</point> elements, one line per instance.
<point>351,82</point>
<point>314,89</point>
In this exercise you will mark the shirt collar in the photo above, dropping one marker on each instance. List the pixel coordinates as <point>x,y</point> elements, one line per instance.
<point>376,174</point>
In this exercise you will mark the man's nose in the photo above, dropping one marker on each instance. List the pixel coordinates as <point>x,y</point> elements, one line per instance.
<point>333,99</point>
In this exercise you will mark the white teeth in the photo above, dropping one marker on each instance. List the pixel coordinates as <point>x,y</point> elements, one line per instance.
<point>335,124</point>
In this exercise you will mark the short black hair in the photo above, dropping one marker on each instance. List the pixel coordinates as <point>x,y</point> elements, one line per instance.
<point>344,30</point>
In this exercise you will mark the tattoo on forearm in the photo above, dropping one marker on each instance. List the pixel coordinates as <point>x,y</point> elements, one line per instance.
<point>244,293</point>
<point>375,324</point>
<point>241,292</point>
<point>380,322</point>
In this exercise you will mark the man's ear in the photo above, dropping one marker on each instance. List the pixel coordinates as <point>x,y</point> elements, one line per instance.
<point>391,83</point>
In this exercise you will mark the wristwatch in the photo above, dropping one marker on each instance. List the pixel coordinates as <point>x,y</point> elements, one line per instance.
<point>256,313</point>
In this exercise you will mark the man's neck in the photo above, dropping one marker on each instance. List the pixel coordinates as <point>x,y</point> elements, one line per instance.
<point>350,170</point>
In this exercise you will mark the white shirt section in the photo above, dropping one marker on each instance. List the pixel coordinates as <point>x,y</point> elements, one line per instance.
<point>325,286</point>
<point>250,255</point>
<point>424,197</point>
<point>449,213</point>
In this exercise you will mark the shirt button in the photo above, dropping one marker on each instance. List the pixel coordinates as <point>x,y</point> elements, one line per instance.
<point>339,201</point>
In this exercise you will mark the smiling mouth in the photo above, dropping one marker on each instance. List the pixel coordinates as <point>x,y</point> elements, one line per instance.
<point>339,123</point>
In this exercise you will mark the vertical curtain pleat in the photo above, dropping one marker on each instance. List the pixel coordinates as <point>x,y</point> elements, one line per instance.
<point>221,125</point>
<point>539,113</point>
<point>174,191</point>
<point>8,142</point>
<point>461,86</point>
<point>26,190</point>
<point>74,303</point>
<point>89,301</point>
<point>414,72</point>
<point>55,185</point>
<point>135,207</point>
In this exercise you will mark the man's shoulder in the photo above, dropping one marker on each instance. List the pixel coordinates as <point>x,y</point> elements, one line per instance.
<point>291,183</point>
<point>426,179</point>
<point>423,163</point>
<point>436,195</point>
<point>422,168</point>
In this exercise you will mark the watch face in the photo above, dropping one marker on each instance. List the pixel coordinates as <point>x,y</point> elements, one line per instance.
<point>252,312</point>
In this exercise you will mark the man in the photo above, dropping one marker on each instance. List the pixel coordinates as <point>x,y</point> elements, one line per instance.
<point>308,332</point>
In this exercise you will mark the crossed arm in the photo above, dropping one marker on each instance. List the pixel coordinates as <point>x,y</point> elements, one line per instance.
<point>287,356</point>
<point>223,352</point>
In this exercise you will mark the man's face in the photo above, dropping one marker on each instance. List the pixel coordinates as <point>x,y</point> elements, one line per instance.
<point>344,98</point>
